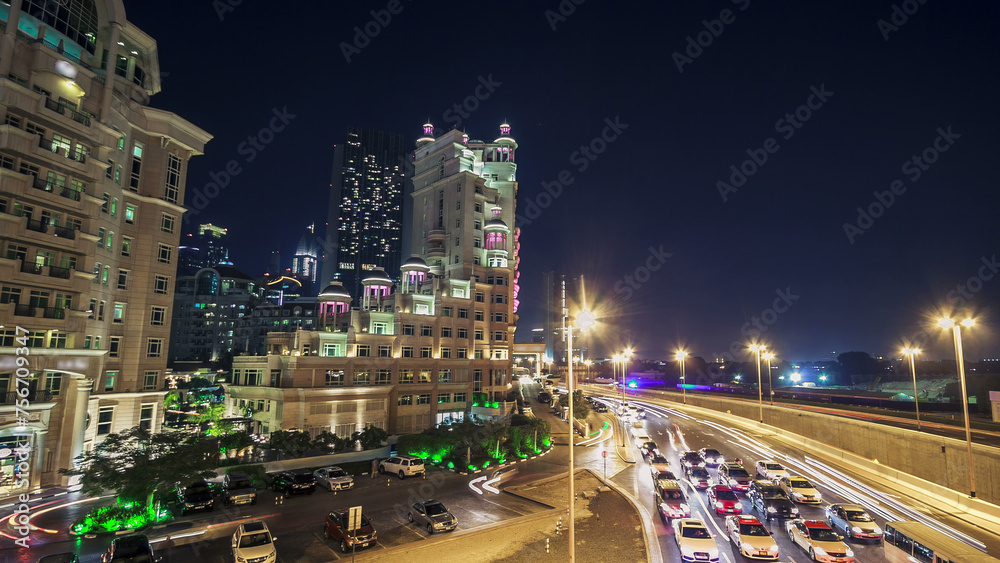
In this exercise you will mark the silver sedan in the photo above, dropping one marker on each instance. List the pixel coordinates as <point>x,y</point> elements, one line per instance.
<point>432,515</point>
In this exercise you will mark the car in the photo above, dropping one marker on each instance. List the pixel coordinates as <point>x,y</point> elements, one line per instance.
<point>196,496</point>
<point>640,412</point>
<point>799,489</point>
<point>668,496</point>
<point>750,537</point>
<point>770,470</point>
<point>403,465</point>
<point>735,476</point>
<point>295,482</point>
<point>641,438</point>
<point>724,500</point>
<point>600,407</point>
<point>691,459</point>
<point>770,501</point>
<point>694,541</point>
<point>819,540</point>
<point>647,447</point>
<point>237,488</point>
<point>662,474</point>
<point>333,478</point>
<point>544,397</point>
<point>59,558</point>
<point>126,549</point>
<point>854,520</point>
<point>699,478</point>
<point>252,541</point>
<point>712,456</point>
<point>526,410</point>
<point>432,515</point>
<point>659,462</point>
<point>335,528</point>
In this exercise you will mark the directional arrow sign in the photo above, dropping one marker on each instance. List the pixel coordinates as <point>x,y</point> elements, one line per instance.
<point>489,486</point>
<point>472,485</point>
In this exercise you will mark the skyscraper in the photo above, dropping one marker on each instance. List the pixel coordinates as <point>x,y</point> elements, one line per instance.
<point>305,262</point>
<point>92,185</point>
<point>366,207</point>
<point>203,249</point>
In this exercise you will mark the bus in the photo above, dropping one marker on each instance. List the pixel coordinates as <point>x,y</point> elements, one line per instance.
<point>916,542</point>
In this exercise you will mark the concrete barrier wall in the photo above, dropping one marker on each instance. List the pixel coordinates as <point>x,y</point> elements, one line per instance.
<point>936,459</point>
<point>324,460</point>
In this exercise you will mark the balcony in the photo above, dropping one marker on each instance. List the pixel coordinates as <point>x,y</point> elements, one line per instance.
<point>63,191</point>
<point>57,272</point>
<point>54,313</point>
<point>37,226</point>
<point>31,268</point>
<point>64,232</point>
<point>438,251</point>
<point>436,235</point>
<point>62,150</point>
<point>11,397</point>
<point>61,109</point>
<point>24,310</point>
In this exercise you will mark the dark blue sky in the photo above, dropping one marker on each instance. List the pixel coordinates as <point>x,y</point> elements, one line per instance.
<point>879,96</point>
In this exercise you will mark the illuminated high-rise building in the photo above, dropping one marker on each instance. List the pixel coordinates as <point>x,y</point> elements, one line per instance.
<point>305,261</point>
<point>365,224</point>
<point>203,249</point>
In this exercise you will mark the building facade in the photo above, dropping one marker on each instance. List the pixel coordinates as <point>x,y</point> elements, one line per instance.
<point>209,310</point>
<point>92,184</point>
<point>203,249</point>
<point>435,348</point>
<point>366,207</point>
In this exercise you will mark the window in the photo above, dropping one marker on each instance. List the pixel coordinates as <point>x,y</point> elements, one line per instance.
<point>444,398</point>
<point>334,377</point>
<point>477,224</point>
<point>150,380</point>
<point>444,376</point>
<point>446,332</point>
<point>478,355</point>
<point>109,380</point>
<point>479,315</point>
<point>363,350</point>
<point>105,274</point>
<point>154,347</point>
<point>163,254</point>
<point>136,171</point>
<point>463,313</point>
<point>406,376</point>
<point>130,214</point>
<point>114,207</point>
<point>383,377</point>
<point>446,311</point>
<point>109,173</point>
<point>107,202</point>
<point>34,129</point>
<point>408,330</point>
<point>380,328</point>
<point>385,351</point>
<point>126,246</point>
<point>459,397</point>
<point>362,377</point>
<point>105,417</point>
<point>407,351</point>
<point>404,400</point>
<point>424,399</point>
<point>16,251</point>
<point>426,330</point>
<point>500,335</point>
<point>171,189</point>
<point>331,350</point>
<point>425,351</point>
<point>146,416</point>
<point>10,294</point>
<point>499,298</point>
<point>479,334</point>
<point>28,169</point>
<point>462,354</point>
<point>479,207</point>
<point>12,120</point>
<point>114,346</point>
<point>160,284</point>
<point>167,223</point>
<point>100,312</point>
<point>122,279</point>
<point>101,236</point>
<point>446,353</point>
<point>157,316</point>
<point>53,382</point>
<point>119,313</point>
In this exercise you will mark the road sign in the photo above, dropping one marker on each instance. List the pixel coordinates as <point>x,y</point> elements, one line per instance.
<point>353,518</point>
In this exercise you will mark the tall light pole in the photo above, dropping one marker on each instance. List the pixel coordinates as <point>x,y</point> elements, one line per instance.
<point>913,369</point>
<point>758,348</point>
<point>681,354</point>
<point>957,329</point>
<point>585,320</point>
<point>626,355</point>
<point>770,389</point>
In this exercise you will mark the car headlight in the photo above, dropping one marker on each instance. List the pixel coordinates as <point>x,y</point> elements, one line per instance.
<point>819,551</point>
<point>850,552</point>
<point>746,547</point>
<point>687,550</point>
<point>797,495</point>
<point>774,548</point>
<point>719,504</point>
<point>713,553</point>
<point>818,496</point>
<point>772,509</point>
<point>876,530</point>
<point>795,510</point>
<point>856,530</point>
<point>685,508</point>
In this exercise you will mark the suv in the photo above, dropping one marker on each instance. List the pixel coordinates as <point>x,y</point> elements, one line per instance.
<point>127,549</point>
<point>770,501</point>
<point>252,541</point>
<point>670,500</point>
<point>237,488</point>
<point>735,476</point>
<point>403,465</point>
<point>196,496</point>
<point>298,481</point>
<point>335,529</point>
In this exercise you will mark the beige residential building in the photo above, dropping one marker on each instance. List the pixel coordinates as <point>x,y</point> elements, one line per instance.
<point>435,348</point>
<point>91,192</point>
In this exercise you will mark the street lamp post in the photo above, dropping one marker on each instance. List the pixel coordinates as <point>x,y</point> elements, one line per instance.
<point>758,348</point>
<point>585,320</point>
<point>770,388</point>
<point>913,369</point>
<point>957,329</point>
<point>625,357</point>
<point>681,354</point>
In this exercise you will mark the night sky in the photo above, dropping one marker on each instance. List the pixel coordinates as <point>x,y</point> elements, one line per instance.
<point>837,101</point>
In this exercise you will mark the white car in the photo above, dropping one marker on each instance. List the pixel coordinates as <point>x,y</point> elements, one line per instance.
<point>403,465</point>
<point>819,540</point>
<point>252,541</point>
<point>771,470</point>
<point>854,520</point>
<point>333,478</point>
<point>800,490</point>
<point>694,540</point>
<point>750,537</point>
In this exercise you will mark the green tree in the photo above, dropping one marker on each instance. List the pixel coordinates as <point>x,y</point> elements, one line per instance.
<point>328,442</point>
<point>136,464</point>
<point>172,400</point>
<point>581,409</point>
<point>293,444</point>
<point>372,437</point>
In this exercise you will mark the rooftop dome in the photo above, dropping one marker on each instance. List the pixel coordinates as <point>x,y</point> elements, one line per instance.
<point>415,262</point>
<point>376,276</point>
<point>496,223</point>
<point>335,289</point>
